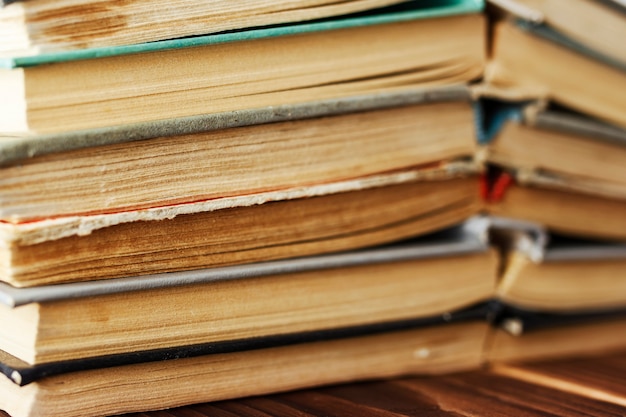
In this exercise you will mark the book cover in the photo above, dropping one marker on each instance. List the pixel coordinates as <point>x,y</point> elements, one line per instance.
<point>574,123</point>
<point>589,27</point>
<point>22,373</point>
<point>213,77</point>
<point>32,28</point>
<point>518,321</point>
<point>517,45</point>
<point>422,9</point>
<point>164,384</point>
<point>19,147</point>
<point>470,237</point>
<point>549,273</point>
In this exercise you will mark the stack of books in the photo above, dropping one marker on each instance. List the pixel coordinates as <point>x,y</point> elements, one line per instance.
<point>555,134</point>
<point>219,200</point>
<point>200,215</point>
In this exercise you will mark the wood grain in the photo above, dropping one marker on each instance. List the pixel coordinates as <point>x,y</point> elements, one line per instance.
<point>600,378</point>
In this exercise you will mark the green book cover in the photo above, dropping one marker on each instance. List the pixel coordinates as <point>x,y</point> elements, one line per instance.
<point>412,10</point>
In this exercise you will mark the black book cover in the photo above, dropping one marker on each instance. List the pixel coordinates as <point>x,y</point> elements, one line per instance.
<point>23,373</point>
<point>518,321</point>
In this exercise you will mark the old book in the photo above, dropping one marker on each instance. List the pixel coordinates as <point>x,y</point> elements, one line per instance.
<point>397,282</point>
<point>170,383</point>
<point>423,45</point>
<point>465,394</point>
<point>232,230</point>
<point>514,69</point>
<point>566,172</point>
<point>579,338</point>
<point>549,273</point>
<point>22,373</point>
<point>571,213</point>
<point>35,27</point>
<point>560,282</point>
<point>594,25</point>
<point>231,154</point>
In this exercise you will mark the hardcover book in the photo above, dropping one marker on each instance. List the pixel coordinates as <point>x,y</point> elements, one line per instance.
<point>239,153</point>
<point>43,26</point>
<point>514,72</point>
<point>565,170</point>
<point>558,336</point>
<point>550,273</point>
<point>594,26</point>
<point>238,187</point>
<point>297,222</point>
<point>424,44</point>
<point>433,349</point>
<point>279,196</point>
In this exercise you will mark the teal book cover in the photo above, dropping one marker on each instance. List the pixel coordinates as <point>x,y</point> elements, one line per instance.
<point>412,10</point>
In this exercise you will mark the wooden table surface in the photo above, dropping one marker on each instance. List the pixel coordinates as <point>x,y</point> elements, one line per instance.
<point>575,387</point>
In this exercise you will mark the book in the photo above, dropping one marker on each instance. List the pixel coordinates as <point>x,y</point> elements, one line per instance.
<point>560,282</point>
<point>35,27</point>
<point>556,296</point>
<point>200,158</point>
<point>402,281</point>
<point>581,338</point>
<point>22,373</point>
<point>375,53</point>
<point>549,273</point>
<point>513,72</point>
<point>295,222</point>
<point>591,25</point>
<point>170,383</point>
<point>564,170</point>
<point>83,272</point>
<point>574,214</point>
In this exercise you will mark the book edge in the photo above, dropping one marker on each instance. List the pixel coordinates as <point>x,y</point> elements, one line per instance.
<point>461,7</point>
<point>467,238</point>
<point>16,148</point>
<point>21,373</point>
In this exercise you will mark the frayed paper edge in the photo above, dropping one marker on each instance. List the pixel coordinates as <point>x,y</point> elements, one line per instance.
<point>32,233</point>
